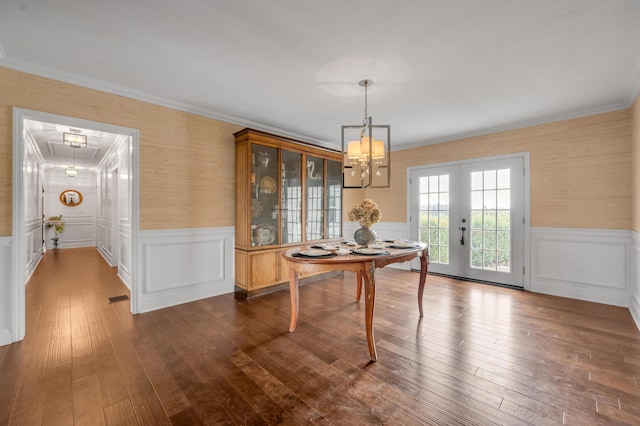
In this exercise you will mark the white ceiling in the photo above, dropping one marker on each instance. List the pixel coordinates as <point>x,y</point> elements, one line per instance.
<point>48,139</point>
<point>442,69</point>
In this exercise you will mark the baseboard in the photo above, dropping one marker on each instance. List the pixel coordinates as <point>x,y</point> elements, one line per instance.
<point>152,302</point>
<point>635,310</point>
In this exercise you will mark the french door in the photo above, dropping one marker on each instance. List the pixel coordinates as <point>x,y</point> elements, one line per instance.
<point>472,218</point>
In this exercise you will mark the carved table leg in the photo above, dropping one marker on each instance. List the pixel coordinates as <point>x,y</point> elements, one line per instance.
<point>293,291</point>
<point>370,300</point>
<point>424,263</point>
<point>358,285</point>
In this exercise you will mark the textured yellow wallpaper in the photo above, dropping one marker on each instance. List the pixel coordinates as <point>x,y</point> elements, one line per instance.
<point>186,161</point>
<point>636,165</point>
<point>580,170</point>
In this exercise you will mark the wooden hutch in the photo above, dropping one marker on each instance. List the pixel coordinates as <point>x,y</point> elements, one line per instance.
<point>288,194</point>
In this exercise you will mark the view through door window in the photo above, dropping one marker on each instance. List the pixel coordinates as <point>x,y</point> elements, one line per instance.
<point>434,216</point>
<point>491,220</point>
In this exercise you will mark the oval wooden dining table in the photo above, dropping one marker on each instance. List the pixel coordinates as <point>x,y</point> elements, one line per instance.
<point>364,266</point>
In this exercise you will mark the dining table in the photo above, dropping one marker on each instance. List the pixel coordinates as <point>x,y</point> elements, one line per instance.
<point>363,261</point>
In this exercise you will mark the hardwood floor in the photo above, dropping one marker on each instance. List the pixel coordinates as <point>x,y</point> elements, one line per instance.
<point>481,355</point>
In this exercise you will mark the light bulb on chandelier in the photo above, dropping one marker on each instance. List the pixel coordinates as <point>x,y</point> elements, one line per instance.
<point>366,151</point>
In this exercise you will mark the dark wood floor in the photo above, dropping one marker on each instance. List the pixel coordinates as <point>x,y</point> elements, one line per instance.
<point>482,355</point>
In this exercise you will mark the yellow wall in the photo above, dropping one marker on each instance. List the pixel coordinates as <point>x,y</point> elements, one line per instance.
<point>580,170</point>
<point>186,161</point>
<point>636,165</point>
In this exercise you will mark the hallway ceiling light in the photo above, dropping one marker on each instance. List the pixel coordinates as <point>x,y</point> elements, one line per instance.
<point>366,150</point>
<point>74,139</point>
<point>72,171</point>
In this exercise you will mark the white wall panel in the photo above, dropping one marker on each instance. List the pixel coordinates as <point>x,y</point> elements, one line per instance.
<point>635,282</point>
<point>124,256</point>
<point>33,245</point>
<point>80,221</point>
<point>586,264</point>
<point>180,266</point>
<point>6,298</point>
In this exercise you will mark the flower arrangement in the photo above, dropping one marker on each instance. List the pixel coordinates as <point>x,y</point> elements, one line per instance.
<point>365,212</point>
<point>56,223</point>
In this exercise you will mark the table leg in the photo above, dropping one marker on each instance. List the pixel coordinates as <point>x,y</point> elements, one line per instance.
<point>370,300</point>
<point>293,291</point>
<point>424,264</point>
<point>358,285</point>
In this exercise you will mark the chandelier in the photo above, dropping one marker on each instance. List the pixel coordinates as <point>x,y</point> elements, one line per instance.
<point>366,152</point>
<point>74,139</point>
<point>71,171</point>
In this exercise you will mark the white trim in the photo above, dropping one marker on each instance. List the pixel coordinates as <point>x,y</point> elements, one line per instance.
<point>16,301</point>
<point>5,337</point>
<point>634,87</point>
<point>585,264</point>
<point>156,100</point>
<point>519,125</point>
<point>5,289</point>
<point>526,157</point>
<point>216,115</point>
<point>634,303</point>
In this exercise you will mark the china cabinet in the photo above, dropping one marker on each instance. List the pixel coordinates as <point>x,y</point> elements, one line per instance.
<point>288,193</point>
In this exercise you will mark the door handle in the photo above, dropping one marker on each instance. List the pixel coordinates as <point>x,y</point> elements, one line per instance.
<point>462,237</point>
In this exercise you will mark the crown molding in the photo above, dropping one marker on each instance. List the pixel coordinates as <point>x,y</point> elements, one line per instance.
<point>153,99</point>
<point>634,88</point>
<point>634,91</point>
<point>517,125</point>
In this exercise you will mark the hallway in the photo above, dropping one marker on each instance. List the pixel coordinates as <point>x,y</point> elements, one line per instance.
<point>481,355</point>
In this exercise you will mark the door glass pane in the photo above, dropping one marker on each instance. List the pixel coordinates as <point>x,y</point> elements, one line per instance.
<point>490,248</point>
<point>265,205</point>
<point>291,197</point>
<point>315,198</point>
<point>334,199</point>
<point>434,216</point>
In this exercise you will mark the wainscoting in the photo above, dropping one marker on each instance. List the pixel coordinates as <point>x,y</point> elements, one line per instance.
<point>179,266</point>
<point>635,283</point>
<point>33,245</point>
<point>79,231</point>
<point>585,264</point>
<point>5,290</point>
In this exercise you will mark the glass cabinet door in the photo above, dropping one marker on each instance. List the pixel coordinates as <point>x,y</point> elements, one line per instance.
<point>334,199</point>
<point>291,197</point>
<point>264,195</point>
<point>314,225</point>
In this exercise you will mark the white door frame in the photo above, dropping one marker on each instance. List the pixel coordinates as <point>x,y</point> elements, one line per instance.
<point>17,310</point>
<point>527,199</point>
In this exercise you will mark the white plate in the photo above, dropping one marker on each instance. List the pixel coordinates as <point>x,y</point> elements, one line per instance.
<point>314,252</point>
<point>404,245</point>
<point>369,251</point>
<point>327,246</point>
